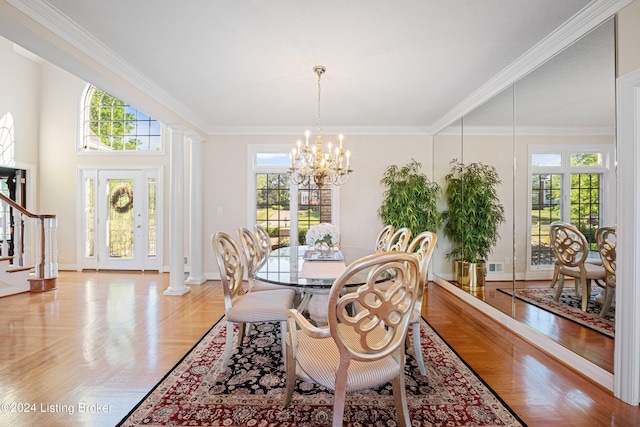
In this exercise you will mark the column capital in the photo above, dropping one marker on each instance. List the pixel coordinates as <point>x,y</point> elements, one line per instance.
<point>177,128</point>
<point>195,137</point>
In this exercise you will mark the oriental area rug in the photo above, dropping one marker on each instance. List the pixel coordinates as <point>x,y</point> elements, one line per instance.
<point>251,391</point>
<point>569,306</point>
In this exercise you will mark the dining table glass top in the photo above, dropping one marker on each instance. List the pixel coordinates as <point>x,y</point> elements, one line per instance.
<point>301,267</point>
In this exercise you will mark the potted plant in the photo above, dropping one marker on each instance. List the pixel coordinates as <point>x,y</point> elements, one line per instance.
<point>409,199</point>
<point>472,219</point>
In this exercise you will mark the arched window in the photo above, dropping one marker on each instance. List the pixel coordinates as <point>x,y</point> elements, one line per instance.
<point>110,125</point>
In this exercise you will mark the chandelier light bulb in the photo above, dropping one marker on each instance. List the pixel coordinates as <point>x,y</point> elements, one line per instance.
<point>317,164</point>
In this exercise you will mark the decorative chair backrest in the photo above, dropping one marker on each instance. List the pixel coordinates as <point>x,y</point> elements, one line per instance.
<point>250,249</point>
<point>399,240</point>
<point>264,242</point>
<point>422,247</point>
<point>382,241</point>
<point>379,318</point>
<point>569,244</point>
<point>606,238</point>
<point>231,266</point>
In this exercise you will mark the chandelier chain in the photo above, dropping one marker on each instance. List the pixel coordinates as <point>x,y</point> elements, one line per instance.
<point>316,163</point>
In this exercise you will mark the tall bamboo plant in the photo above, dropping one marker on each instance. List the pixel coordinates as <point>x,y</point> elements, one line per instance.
<point>409,199</point>
<point>474,210</point>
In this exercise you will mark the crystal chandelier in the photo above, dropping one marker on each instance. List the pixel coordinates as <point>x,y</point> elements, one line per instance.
<point>316,162</point>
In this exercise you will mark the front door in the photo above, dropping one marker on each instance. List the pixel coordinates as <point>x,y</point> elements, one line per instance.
<point>121,226</point>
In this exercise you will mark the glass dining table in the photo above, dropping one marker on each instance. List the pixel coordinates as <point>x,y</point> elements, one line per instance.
<point>301,268</point>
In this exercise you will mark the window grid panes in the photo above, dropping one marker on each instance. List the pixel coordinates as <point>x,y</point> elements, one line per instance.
<point>111,125</point>
<point>314,207</point>
<point>546,193</point>
<point>272,206</point>
<point>152,217</point>
<point>585,205</point>
<point>89,212</point>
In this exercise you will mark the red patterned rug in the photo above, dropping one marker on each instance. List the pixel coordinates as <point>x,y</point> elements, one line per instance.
<point>569,306</point>
<point>251,391</point>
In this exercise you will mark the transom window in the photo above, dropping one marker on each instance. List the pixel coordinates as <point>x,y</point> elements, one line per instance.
<point>111,125</point>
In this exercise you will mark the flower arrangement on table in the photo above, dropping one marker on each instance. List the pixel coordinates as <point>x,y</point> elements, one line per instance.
<point>323,237</point>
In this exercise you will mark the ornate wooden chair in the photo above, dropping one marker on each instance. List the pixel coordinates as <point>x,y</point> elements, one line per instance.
<point>253,253</point>
<point>399,240</point>
<point>571,251</point>
<point>363,345</point>
<point>606,239</point>
<point>241,306</point>
<point>421,247</point>
<point>382,241</point>
<point>264,242</point>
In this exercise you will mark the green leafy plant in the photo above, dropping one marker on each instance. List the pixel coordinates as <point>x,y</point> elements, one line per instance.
<point>409,199</point>
<point>474,210</point>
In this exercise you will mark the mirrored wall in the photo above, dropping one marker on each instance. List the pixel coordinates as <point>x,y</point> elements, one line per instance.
<point>551,138</point>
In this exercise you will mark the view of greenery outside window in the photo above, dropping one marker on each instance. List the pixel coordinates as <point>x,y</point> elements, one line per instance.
<point>120,217</point>
<point>273,207</point>
<point>547,191</point>
<point>152,190</point>
<point>314,207</point>
<point>89,212</point>
<point>112,125</point>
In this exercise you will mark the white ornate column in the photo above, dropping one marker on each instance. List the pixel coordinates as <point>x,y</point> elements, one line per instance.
<point>176,220</point>
<point>195,220</point>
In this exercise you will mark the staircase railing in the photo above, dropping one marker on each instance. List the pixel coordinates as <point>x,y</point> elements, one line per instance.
<point>34,239</point>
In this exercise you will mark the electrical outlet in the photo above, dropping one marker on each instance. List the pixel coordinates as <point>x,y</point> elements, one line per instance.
<point>219,210</point>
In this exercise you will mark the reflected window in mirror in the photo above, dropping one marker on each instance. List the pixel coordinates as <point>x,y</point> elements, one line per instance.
<point>566,185</point>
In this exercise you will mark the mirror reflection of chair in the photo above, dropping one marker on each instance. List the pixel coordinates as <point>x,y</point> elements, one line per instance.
<point>421,247</point>
<point>607,239</point>
<point>571,250</point>
<point>243,307</point>
<point>399,240</point>
<point>382,241</point>
<point>363,345</point>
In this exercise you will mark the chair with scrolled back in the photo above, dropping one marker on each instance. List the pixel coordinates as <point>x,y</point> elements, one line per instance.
<point>363,345</point>
<point>421,247</point>
<point>382,241</point>
<point>607,239</point>
<point>243,307</point>
<point>254,257</point>
<point>399,240</point>
<point>571,250</point>
<point>264,242</point>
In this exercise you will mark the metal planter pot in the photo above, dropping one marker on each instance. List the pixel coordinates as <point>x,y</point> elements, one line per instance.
<point>471,275</point>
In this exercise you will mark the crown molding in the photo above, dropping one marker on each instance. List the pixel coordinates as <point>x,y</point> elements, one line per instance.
<point>45,14</point>
<point>584,21</point>
<point>298,131</point>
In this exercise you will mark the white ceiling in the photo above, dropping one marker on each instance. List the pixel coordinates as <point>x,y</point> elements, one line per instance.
<point>399,66</point>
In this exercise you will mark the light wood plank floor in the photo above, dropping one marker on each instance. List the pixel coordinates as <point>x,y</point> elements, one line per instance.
<point>105,339</point>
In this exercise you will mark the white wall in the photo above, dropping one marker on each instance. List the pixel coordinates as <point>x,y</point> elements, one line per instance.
<point>20,96</point>
<point>60,106</point>
<point>225,183</point>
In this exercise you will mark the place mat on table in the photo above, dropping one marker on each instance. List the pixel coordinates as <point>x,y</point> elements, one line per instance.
<point>322,270</point>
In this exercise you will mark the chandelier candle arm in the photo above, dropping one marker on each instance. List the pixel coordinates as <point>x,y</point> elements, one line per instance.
<point>317,164</point>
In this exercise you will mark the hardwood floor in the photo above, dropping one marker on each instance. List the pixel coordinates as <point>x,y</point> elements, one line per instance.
<point>103,340</point>
<point>593,346</point>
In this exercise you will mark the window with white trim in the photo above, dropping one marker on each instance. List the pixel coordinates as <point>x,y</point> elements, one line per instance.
<point>270,203</point>
<point>110,126</point>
